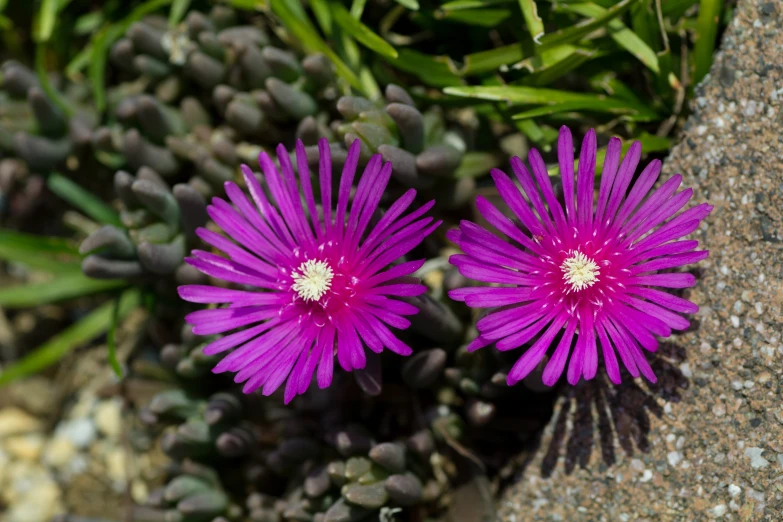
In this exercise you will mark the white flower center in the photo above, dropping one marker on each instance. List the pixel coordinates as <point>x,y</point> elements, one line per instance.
<point>580,271</point>
<point>312,279</point>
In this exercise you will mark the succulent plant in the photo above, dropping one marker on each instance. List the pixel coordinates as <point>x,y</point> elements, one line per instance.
<point>424,152</point>
<point>34,128</point>
<point>159,226</point>
<point>209,94</point>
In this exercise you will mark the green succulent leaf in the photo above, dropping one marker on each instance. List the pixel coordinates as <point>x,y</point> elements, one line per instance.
<point>102,42</point>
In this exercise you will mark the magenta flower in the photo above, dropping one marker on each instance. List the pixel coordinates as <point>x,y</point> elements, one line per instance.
<point>318,278</point>
<point>590,268</point>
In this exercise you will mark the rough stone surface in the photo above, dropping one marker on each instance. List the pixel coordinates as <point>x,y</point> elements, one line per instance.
<point>706,443</point>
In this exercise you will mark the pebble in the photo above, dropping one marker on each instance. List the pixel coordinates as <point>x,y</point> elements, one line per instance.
<point>117,468</point>
<point>59,452</point>
<point>734,490</point>
<point>26,447</point>
<point>4,461</point>
<point>108,418</point>
<point>14,421</point>
<point>674,458</point>
<point>81,432</point>
<point>756,460</point>
<point>371,497</point>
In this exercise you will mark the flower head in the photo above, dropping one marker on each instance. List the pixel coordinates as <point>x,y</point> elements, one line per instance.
<point>588,270</point>
<point>316,281</point>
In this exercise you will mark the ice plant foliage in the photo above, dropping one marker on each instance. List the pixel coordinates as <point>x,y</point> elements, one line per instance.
<point>588,270</point>
<point>316,282</point>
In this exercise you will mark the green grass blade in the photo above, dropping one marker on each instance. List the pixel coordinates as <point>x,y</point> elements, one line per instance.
<point>50,254</point>
<point>413,5</point>
<point>620,33</point>
<point>65,286</point>
<point>178,10</point>
<point>323,15</point>
<point>519,95</point>
<point>607,82</point>
<point>88,23</point>
<point>431,70</point>
<point>97,68</point>
<point>706,31</point>
<point>457,5</point>
<point>83,200</point>
<point>46,85</point>
<point>79,62</point>
<point>546,58</point>
<point>585,27</point>
<point>479,17</point>
<point>303,31</point>
<point>549,110</point>
<point>534,23</point>
<point>76,335</point>
<point>357,8</point>
<point>489,61</point>
<point>644,23</point>
<point>361,32</point>
<point>248,5</point>
<point>47,16</point>
<point>674,9</point>
<point>549,74</point>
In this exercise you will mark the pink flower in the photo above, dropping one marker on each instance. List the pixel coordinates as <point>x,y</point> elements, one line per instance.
<point>319,278</point>
<point>587,271</point>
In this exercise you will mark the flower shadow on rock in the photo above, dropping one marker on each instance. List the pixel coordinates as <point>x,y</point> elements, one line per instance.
<point>601,413</point>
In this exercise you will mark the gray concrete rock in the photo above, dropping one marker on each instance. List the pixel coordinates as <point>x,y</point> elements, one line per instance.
<point>706,442</point>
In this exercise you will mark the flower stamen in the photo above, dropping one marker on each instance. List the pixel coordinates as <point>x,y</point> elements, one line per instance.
<point>312,279</point>
<point>580,271</point>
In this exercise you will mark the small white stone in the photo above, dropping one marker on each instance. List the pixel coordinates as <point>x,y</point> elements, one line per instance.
<point>674,458</point>
<point>756,460</point>
<point>735,321</point>
<point>646,476</point>
<point>80,432</point>
<point>26,447</point>
<point>58,452</point>
<point>719,510</point>
<point>14,421</point>
<point>108,418</point>
<point>734,490</point>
